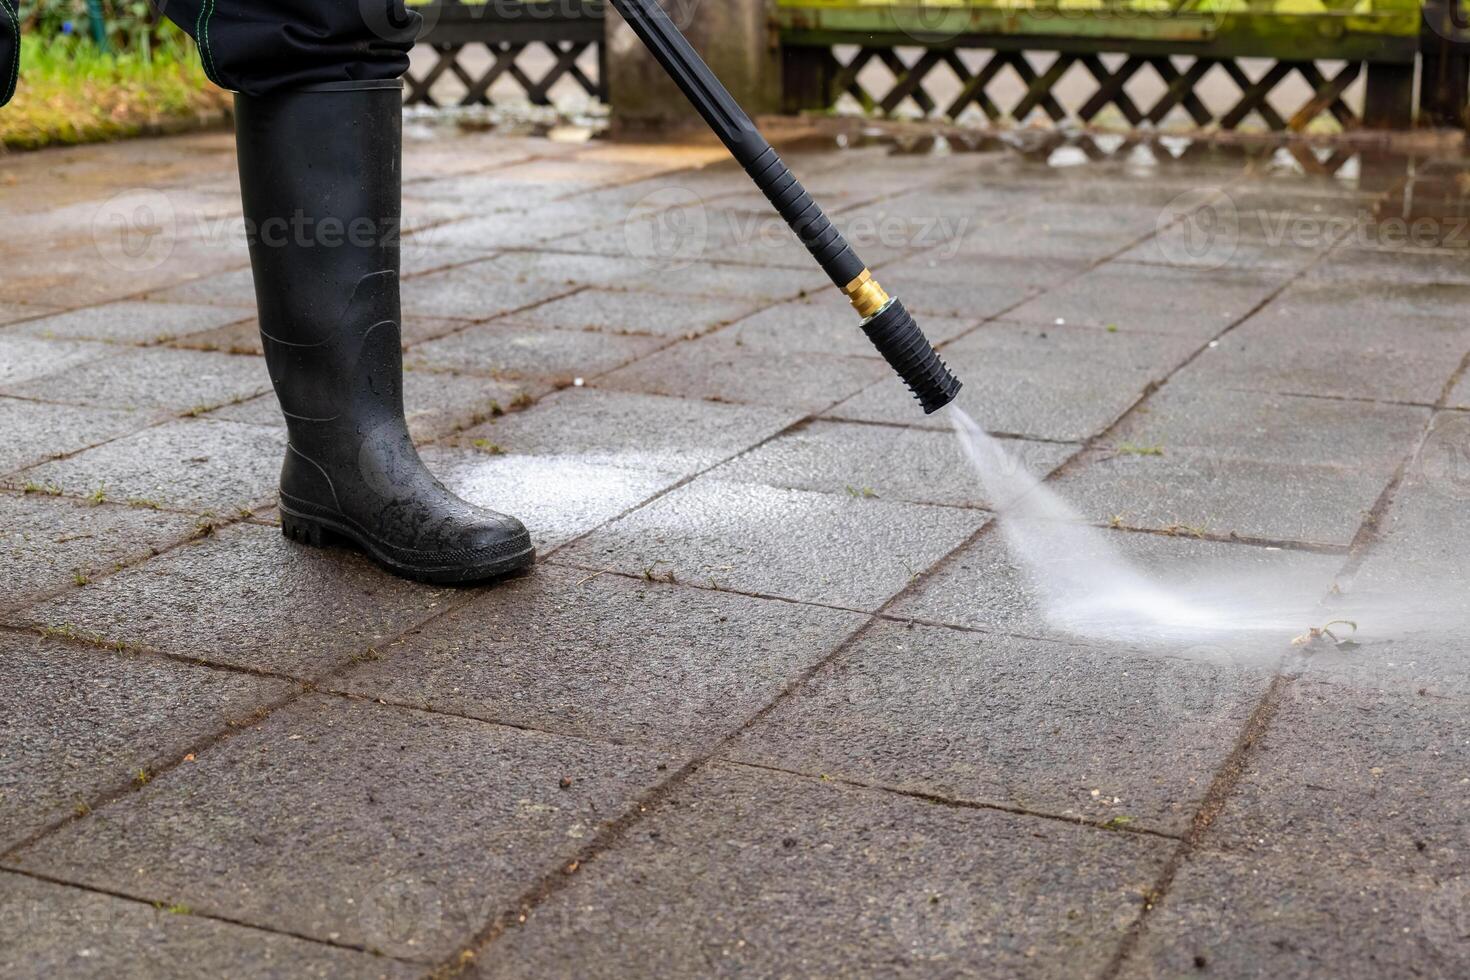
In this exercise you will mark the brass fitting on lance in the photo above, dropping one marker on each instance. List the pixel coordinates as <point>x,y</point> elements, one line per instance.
<point>866,296</point>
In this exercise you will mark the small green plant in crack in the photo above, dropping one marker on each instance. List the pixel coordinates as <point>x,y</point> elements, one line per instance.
<point>862,493</point>
<point>1117,823</point>
<point>142,777</point>
<point>488,447</point>
<point>144,503</point>
<point>97,497</point>
<point>80,578</point>
<point>1133,449</point>
<point>652,574</point>
<point>43,489</point>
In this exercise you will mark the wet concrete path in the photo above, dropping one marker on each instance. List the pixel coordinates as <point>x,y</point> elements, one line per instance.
<point>776,701</point>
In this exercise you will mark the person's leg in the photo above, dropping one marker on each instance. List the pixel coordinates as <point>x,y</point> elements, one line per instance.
<point>320,179</point>
<point>9,49</point>
<point>260,46</point>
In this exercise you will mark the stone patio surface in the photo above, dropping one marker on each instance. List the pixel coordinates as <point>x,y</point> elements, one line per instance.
<point>776,700</point>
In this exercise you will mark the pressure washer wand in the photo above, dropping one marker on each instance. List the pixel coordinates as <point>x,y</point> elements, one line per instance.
<point>887,324</point>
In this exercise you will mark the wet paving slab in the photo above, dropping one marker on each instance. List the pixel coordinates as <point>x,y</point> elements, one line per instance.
<point>685,743</point>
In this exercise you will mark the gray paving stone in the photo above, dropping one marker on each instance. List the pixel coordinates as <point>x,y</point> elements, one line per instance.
<point>129,322</point>
<point>619,312</point>
<point>985,586</point>
<point>815,547</point>
<point>727,279</point>
<point>556,497</point>
<point>827,327</point>
<point>1311,504</point>
<point>887,462</point>
<point>1185,302</point>
<point>47,542</point>
<point>667,666</point>
<point>983,718</point>
<point>1340,341</point>
<point>469,293</point>
<point>970,288</point>
<point>13,312</point>
<point>559,268</point>
<point>1274,428</point>
<point>199,465</point>
<point>1293,919</point>
<point>371,826</point>
<point>614,428</point>
<point>762,874</point>
<point>1063,383</point>
<point>512,351</point>
<point>1352,780</point>
<point>51,930</point>
<point>1397,266</point>
<point>719,369</point>
<point>233,287</point>
<point>174,380</point>
<point>80,723</point>
<point>37,431</point>
<point>272,605</point>
<point>25,358</point>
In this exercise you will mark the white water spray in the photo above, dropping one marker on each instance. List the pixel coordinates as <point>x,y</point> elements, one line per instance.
<point>1086,587</point>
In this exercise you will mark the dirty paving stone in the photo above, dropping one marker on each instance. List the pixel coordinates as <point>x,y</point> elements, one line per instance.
<point>24,359</point>
<point>200,465</point>
<point>1193,493</point>
<point>556,497</point>
<point>613,311</point>
<point>812,547</point>
<point>48,543</point>
<point>767,874</point>
<point>1128,738</point>
<point>1231,915</point>
<point>830,327</point>
<point>162,378</point>
<point>726,280</point>
<point>49,930</point>
<point>510,351</point>
<point>82,722</point>
<point>232,288</point>
<point>129,322</point>
<point>243,336</point>
<point>1273,428</point>
<point>668,666</point>
<point>469,293</point>
<point>38,431</point>
<point>1060,383</point>
<point>718,369</point>
<point>1189,303</point>
<point>858,460</point>
<point>614,428</point>
<point>1355,780</point>
<point>432,824</point>
<point>271,604</point>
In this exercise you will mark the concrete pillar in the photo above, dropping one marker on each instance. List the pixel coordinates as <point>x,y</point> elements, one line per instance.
<point>734,36</point>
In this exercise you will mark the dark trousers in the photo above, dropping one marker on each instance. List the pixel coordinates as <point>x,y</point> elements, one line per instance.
<point>260,46</point>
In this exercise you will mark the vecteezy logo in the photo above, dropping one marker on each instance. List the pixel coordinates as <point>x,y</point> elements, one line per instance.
<point>1201,685</point>
<point>392,20</point>
<point>135,231</point>
<point>1200,229</point>
<point>667,229</point>
<point>1443,463</point>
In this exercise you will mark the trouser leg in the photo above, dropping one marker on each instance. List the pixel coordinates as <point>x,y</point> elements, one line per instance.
<point>261,46</point>
<point>9,49</point>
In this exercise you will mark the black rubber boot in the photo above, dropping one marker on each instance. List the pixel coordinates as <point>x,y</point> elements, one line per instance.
<point>321,183</point>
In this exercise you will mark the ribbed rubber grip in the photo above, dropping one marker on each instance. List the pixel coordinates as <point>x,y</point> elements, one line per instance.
<point>805,217</point>
<point>906,349</point>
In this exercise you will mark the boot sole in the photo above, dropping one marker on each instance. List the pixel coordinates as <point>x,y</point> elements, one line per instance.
<point>319,532</point>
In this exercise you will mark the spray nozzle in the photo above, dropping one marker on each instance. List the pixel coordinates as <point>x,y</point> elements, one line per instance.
<point>904,346</point>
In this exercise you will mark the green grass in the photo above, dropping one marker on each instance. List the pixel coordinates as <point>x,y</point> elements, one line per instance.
<point>69,92</point>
